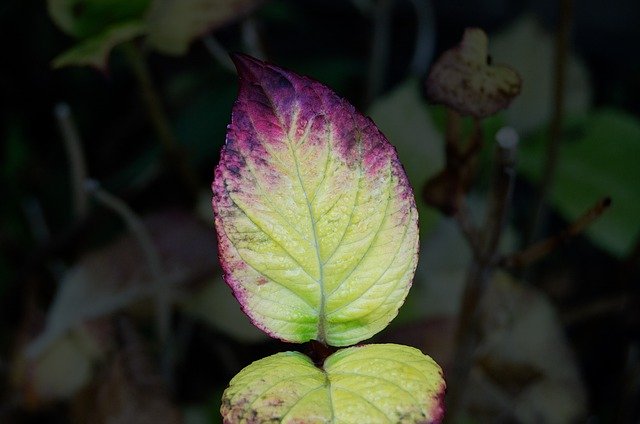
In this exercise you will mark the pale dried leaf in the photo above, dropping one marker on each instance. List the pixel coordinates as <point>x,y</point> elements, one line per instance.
<point>118,276</point>
<point>464,79</point>
<point>132,390</point>
<point>528,47</point>
<point>404,118</point>
<point>525,369</point>
<point>174,24</point>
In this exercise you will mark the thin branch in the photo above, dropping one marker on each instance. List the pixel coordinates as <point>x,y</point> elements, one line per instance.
<point>452,134</point>
<point>596,309</point>
<point>538,250</point>
<point>555,129</point>
<point>380,48</point>
<point>467,333</point>
<point>251,38</point>
<point>425,43</point>
<point>468,228</point>
<point>218,52</point>
<point>502,189</point>
<point>38,225</point>
<point>141,234</point>
<point>159,120</point>
<point>73,146</point>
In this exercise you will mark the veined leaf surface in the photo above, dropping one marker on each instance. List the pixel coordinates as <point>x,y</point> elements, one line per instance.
<point>384,383</point>
<point>316,220</point>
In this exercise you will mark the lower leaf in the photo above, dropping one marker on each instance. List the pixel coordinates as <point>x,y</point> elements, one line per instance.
<point>384,383</point>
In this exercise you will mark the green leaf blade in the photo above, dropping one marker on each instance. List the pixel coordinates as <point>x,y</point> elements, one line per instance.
<point>316,220</point>
<point>384,383</point>
<point>597,159</point>
<point>95,51</point>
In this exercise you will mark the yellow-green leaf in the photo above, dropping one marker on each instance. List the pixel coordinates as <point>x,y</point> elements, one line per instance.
<point>316,220</point>
<point>384,383</point>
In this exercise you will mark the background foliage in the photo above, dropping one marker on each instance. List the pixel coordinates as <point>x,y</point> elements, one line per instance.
<point>560,337</point>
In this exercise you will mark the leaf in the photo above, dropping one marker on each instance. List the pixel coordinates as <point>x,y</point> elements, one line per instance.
<point>385,383</point>
<point>403,116</point>
<point>524,371</point>
<point>173,24</point>
<point>118,276</point>
<point>316,221</point>
<point>597,158</point>
<point>85,19</point>
<point>95,51</point>
<point>131,389</point>
<point>463,79</point>
<point>214,305</point>
<point>528,47</point>
<point>60,371</point>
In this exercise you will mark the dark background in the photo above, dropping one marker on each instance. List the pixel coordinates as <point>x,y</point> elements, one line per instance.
<point>591,286</point>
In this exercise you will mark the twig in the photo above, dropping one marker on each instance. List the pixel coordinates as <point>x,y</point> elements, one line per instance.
<point>425,43</point>
<point>467,333</point>
<point>251,38</point>
<point>73,146</point>
<point>538,250</point>
<point>380,48</point>
<point>502,189</point>
<point>555,129</point>
<point>596,309</point>
<point>452,133</point>
<point>218,52</point>
<point>468,228</point>
<point>41,233</point>
<point>141,234</point>
<point>159,119</point>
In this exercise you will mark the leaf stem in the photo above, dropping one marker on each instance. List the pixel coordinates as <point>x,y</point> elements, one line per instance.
<point>540,249</point>
<point>555,128</point>
<point>218,52</point>
<point>483,264</point>
<point>73,146</point>
<point>251,38</point>
<point>319,352</point>
<point>152,256</point>
<point>174,153</point>
<point>425,43</point>
<point>380,48</point>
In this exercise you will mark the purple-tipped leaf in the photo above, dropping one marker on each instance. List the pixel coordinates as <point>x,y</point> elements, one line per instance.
<point>316,221</point>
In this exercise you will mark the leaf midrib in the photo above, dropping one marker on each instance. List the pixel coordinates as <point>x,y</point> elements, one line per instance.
<point>321,313</point>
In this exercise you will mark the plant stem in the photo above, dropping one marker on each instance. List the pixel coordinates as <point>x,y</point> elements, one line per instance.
<point>380,47</point>
<point>544,247</point>
<point>555,129</point>
<point>319,352</point>
<point>218,52</point>
<point>251,38</point>
<point>141,234</point>
<point>483,264</point>
<point>597,308</point>
<point>174,153</point>
<point>73,146</point>
<point>425,43</point>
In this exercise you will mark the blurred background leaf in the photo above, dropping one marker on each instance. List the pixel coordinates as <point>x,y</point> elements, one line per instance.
<point>597,158</point>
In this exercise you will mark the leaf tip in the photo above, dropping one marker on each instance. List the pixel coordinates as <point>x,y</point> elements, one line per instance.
<point>247,66</point>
